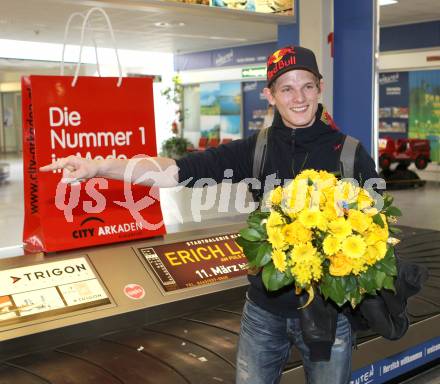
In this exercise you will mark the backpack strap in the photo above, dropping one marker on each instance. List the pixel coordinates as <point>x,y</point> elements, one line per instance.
<point>260,153</point>
<point>347,156</point>
<point>259,159</point>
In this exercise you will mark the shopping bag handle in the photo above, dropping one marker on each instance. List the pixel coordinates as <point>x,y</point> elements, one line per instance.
<point>66,32</point>
<point>109,25</point>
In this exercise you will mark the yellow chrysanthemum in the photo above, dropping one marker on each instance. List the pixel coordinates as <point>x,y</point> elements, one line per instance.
<point>307,267</point>
<point>354,246</point>
<point>297,197</point>
<point>370,255</point>
<point>308,174</point>
<point>296,233</point>
<point>331,245</point>
<point>275,219</point>
<point>303,251</point>
<point>370,211</point>
<point>346,191</point>
<point>330,178</point>
<point>327,195</point>
<point>309,217</point>
<point>324,188</point>
<point>340,227</point>
<point>376,252</point>
<point>364,199</point>
<point>279,260</point>
<point>276,237</point>
<point>340,265</point>
<point>329,211</point>
<point>380,233</point>
<point>358,266</point>
<point>382,248</point>
<point>276,196</point>
<point>359,221</point>
<point>322,222</point>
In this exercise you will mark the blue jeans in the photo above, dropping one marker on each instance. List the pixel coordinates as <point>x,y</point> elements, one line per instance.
<point>265,343</point>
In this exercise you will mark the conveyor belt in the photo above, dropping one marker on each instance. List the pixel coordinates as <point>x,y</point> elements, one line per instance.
<point>421,246</point>
<point>194,348</point>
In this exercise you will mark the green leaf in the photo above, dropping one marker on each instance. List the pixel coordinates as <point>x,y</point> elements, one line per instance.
<point>273,279</point>
<point>379,278</point>
<point>367,281</point>
<point>325,290</point>
<point>250,249</point>
<point>394,230</point>
<point>351,284</point>
<point>387,200</point>
<point>251,234</point>
<point>388,263</point>
<point>337,290</point>
<point>255,218</point>
<point>388,283</point>
<point>353,205</point>
<point>264,255</point>
<point>355,298</point>
<point>393,211</point>
<point>377,219</point>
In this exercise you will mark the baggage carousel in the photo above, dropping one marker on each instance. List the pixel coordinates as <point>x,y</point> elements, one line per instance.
<point>178,336</point>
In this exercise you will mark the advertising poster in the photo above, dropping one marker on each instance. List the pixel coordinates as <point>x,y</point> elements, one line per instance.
<point>230,110</point>
<point>242,5</point>
<point>199,2</point>
<point>281,7</point>
<point>424,122</point>
<point>393,104</point>
<point>48,289</point>
<point>220,110</point>
<point>210,110</point>
<point>247,55</point>
<point>255,107</point>
<point>195,262</point>
<point>384,370</point>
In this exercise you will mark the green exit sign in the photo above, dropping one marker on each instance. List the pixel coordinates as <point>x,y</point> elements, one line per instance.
<point>253,72</point>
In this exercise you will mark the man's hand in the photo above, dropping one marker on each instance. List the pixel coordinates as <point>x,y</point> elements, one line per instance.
<point>74,168</point>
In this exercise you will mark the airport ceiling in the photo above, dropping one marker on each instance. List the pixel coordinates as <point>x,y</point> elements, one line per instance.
<point>154,25</point>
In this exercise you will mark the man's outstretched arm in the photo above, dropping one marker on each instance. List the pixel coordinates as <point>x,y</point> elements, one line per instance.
<point>157,171</point>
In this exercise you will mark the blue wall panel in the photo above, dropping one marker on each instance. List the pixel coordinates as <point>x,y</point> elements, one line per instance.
<point>288,34</point>
<point>412,36</point>
<point>353,68</point>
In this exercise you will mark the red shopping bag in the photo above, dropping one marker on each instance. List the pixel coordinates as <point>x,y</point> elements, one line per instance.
<point>94,119</point>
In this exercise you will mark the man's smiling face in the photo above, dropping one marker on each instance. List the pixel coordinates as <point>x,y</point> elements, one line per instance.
<point>296,95</point>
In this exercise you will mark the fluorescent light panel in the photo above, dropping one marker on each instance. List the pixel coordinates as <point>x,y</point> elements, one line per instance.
<point>154,62</point>
<point>387,2</point>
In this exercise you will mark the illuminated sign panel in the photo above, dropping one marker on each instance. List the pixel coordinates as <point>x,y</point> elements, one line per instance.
<point>196,262</point>
<point>253,72</point>
<point>49,289</point>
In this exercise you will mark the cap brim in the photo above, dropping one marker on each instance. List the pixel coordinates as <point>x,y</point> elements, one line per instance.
<point>284,70</point>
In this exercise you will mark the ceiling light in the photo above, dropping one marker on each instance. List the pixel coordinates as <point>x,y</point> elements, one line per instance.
<point>165,24</point>
<point>387,2</point>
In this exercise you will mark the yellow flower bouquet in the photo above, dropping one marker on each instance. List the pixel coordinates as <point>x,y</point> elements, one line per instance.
<point>321,233</point>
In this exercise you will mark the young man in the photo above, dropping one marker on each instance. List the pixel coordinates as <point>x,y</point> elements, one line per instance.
<point>302,136</point>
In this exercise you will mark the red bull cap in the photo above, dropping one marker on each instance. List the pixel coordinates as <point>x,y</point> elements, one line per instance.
<point>289,58</point>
